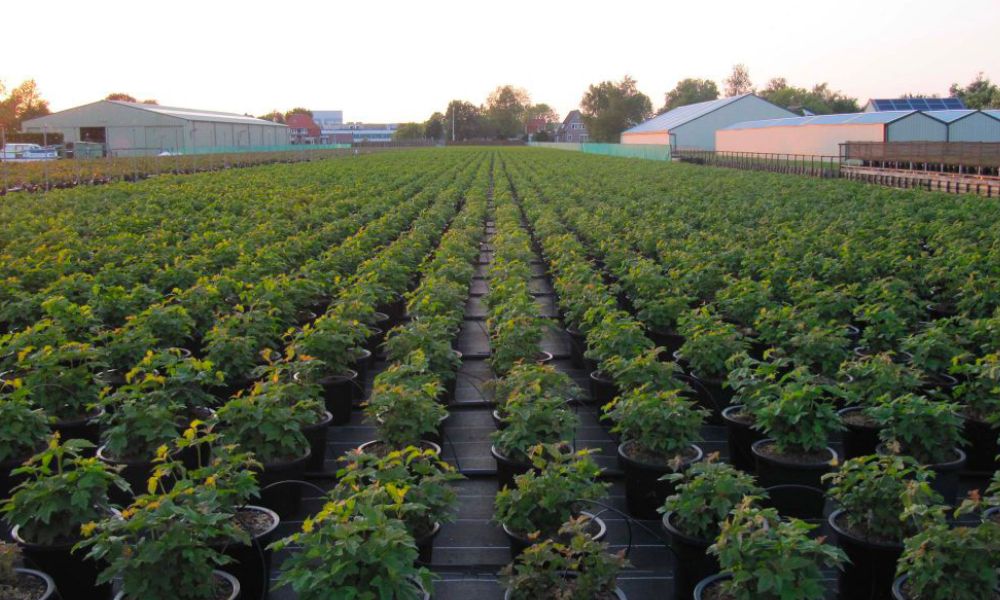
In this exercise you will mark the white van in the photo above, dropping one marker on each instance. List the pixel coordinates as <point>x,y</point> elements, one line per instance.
<point>15,152</point>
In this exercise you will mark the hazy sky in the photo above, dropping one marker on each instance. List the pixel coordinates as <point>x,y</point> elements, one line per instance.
<point>400,61</point>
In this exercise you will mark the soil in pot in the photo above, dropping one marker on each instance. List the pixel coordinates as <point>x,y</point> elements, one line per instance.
<point>284,499</point>
<point>860,436</point>
<point>519,541</point>
<point>740,436</point>
<point>69,571</point>
<point>873,562</point>
<point>317,435</point>
<point>252,562</point>
<point>693,562</point>
<point>775,469</point>
<point>30,585</point>
<point>710,588</point>
<point>982,448</point>
<point>644,492</point>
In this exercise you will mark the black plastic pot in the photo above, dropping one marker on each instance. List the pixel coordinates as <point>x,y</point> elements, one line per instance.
<point>251,564</point>
<point>668,340</point>
<point>858,440</point>
<point>234,584</point>
<point>374,341</point>
<point>982,447</point>
<point>577,346</point>
<point>519,544</point>
<point>711,395</point>
<point>602,391</point>
<point>425,545</point>
<point>701,590</point>
<point>946,474</point>
<point>396,310</point>
<point>450,384</point>
<point>70,571</point>
<point>872,568</point>
<point>317,434</point>
<point>362,363</point>
<point>283,499</point>
<point>796,501</point>
<point>84,428</point>
<point>775,471</point>
<point>50,592</point>
<point>508,469</point>
<point>740,436</point>
<point>694,563</point>
<point>644,492</point>
<point>339,393</point>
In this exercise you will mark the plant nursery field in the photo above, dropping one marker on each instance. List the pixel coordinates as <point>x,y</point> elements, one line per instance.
<point>465,373</point>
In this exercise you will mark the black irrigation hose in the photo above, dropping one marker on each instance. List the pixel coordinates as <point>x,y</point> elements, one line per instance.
<point>629,521</point>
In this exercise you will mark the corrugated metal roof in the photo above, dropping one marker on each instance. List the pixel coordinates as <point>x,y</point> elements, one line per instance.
<point>993,113</point>
<point>190,114</point>
<point>683,114</point>
<point>948,115</point>
<point>844,119</point>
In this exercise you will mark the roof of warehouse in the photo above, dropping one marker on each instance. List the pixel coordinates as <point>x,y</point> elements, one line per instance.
<point>949,115</point>
<point>683,114</point>
<point>190,114</point>
<point>993,113</point>
<point>844,119</point>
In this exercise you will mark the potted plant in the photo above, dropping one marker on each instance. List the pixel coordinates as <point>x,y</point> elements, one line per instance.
<point>766,558</point>
<point>17,583</point>
<point>945,562</point>
<point>514,338</point>
<point>580,567</point>
<point>526,424</point>
<point>709,343</point>
<point>754,382</point>
<point>60,380</point>
<point>977,393</point>
<point>353,547</point>
<point>426,479</point>
<point>798,423</point>
<point>541,501</point>
<point>870,492</point>
<point>705,494</point>
<point>162,546</point>
<point>927,430</point>
<point>263,425</point>
<point>530,382</point>
<point>616,334</point>
<point>333,344</point>
<point>870,378</point>
<point>24,430</point>
<point>657,429</point>
<point>62,491</point>
<point>404,407</point>
<point>933,349</point>
<point>432,337</point>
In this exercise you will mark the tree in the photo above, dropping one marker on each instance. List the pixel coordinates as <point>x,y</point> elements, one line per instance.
<point>409,131</point>
<point>543,136</point>
<point>152,101</point>
<point>274,115</point>
<point>609,108</point>
<point>466,118</point>
<point>981,93</point>
<point>541,111</point>
<point>299,111</point>
<point>121,97</point>
<point>689,91</point>
<point>22,103</point>
<point>434,126</point>
<point>738,81</point>
<point>505,110</point>
<point>819,100</point>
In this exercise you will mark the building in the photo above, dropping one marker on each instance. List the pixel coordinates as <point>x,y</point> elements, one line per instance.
<point>328,119</point>
<point>535,125</point>
<point>573,130</point>
<point>129,129</point>
<point>358,133</point>
<point>970,125</point>
<point>693,127</point>
<point>903,104</point>
<point>822,135</point>
<point>302,129</point>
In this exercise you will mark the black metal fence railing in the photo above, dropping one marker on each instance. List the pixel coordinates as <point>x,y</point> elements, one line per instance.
<point>798,164</point>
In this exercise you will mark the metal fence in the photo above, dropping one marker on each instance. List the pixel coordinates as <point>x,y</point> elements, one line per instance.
<point>797,164</point>
<point>644,151</point>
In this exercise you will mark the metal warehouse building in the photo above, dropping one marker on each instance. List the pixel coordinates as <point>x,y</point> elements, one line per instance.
<point>130,129</point>
<point>822,135</point>
<point>970,125</point>
<point>693,127</point>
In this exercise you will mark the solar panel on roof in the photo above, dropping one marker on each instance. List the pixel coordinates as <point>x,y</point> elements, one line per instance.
<point>887,104</point>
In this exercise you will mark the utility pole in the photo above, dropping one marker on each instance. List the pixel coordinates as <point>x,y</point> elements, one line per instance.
<point>453,123</point>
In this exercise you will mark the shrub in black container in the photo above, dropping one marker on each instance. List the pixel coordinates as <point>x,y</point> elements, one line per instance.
<point>870,491</point>
<point>525,425</point>
<point>657,431</point>
<point>334,344</point>
<point>23,431</point>
<point>404,406</point>
<point>528,382</point>
<point>710,342</point>
<point>20,583</point>
<point>927,430</point>
<point>580,567</point>
<point>870,378</point>
<point>765,558</point>
<point>705,495</point>
<point>981,408</point>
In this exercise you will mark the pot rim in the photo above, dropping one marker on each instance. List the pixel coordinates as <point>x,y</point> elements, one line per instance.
<point>841,532</point>
<point>433,446</point>
<point>50,584</point>
<point>275,519</point>
<point>503,457</point>
<point>699,454</point>
<point>673,531</point>
<point>601,532</point>
<point>754,448</point>
<point>327,417</point>
<point>289,461</point>
<point>728,412</point>
<point>950,465</point>
<point>709,581</point>
<point>597,375</point>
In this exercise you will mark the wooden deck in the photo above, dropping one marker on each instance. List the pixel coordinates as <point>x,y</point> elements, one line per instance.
<point>926,180</point>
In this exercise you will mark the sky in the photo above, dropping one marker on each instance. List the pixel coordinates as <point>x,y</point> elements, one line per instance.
<point>397,61</point>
